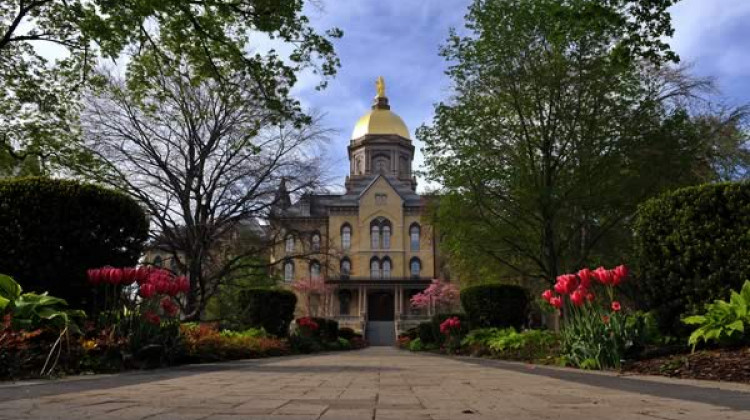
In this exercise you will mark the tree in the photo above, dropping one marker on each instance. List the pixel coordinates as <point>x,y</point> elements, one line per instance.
<point>566,114</point>
<point>203,157</point>
<point>314,288</point>
<point>40,99</point>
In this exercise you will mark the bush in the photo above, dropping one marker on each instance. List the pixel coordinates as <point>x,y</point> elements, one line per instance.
<point>439,318</point>
<point>507,343</point>
<point>270,309</point>
<point>206,343</point>
<point>692,246</point>
<point>346,333</point>
<point>52,231</point>
<point>426,333</point>
<point>495,305</point>
<point>328,329</point>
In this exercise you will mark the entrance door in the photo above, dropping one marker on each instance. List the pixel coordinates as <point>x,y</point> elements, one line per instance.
<point>380,314</point>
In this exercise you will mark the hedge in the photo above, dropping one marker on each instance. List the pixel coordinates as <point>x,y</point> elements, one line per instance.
<point>328,329</point>
<point>495,305</point>
<point>692,247</point>
<point>52,231</point>
<point>272,309</point>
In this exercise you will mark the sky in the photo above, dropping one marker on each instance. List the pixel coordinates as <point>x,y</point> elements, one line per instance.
<point>400,39</point>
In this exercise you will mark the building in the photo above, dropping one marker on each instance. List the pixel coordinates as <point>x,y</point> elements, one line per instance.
<point>371,245</point>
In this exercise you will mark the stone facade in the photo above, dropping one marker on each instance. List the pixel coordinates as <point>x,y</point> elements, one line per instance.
<point>371,246</point>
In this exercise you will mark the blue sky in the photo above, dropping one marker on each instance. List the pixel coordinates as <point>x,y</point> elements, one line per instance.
<point>399,39</point>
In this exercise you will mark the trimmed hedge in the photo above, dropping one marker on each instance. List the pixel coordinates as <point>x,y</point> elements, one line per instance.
<point>272,309</point>
<point>52,231</point>
<point>328,329</point>
<point>692,247</point>
<point>495,305</point>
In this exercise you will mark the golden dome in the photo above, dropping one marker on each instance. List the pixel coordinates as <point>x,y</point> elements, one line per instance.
<point>380,121</point>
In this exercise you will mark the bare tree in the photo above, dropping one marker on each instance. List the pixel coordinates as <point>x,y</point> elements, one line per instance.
<point>202,157</point>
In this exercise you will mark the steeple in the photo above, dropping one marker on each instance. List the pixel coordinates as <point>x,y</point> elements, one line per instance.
<point>282,199</point>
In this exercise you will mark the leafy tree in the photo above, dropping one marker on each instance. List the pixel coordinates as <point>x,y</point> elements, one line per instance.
<point>565,115</point>
<point>40,98</point>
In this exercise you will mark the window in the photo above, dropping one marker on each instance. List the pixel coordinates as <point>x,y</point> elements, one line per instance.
<point>346,236</point>
<point>374,268</point>
<point>415,267</point>
<point>289,243</point>
<point>386,268</point>
<point>158,261</point>
<point>288,271</point>
<point>381,199</point>
<point>414,236</point>
<point>375,237</point>
<point>315,242</point>
<point>386,237</point>
<point>314,269</point>
<point>346,267</point>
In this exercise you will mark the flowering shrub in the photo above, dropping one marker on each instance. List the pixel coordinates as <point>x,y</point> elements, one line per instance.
<point>594,333</point>
<point>307,325</point>
<point>205,343</point>
<point>442,294</point>
<point>140,304</point>
<point>451,328</point>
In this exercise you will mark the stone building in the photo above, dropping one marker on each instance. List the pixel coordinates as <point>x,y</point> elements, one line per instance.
<point>371,245</point>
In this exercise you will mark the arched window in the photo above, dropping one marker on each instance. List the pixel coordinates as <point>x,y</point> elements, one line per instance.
<point>289,243</point>
<point>386,237</point>
<point>375,268</point>
<point>158,261</point>
<point>414,233</point>
<point>386,268</point>
<point>346,236</point>
<point>375,236</point>
<point>346,267</point>
<point>314,269</point>
<point>288,271</point>
<point>345,297</point>
<point>315,241</point>
<point>415,266</point>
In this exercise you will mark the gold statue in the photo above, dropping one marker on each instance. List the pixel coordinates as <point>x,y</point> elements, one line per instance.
<point>380,87</point>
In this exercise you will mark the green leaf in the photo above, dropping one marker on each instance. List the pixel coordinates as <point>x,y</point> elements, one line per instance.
<point>695,320</point>
<point>9,288</point>
<point>738,326</point>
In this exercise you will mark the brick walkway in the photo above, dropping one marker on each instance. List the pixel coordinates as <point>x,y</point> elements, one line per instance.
<point>377,383</point>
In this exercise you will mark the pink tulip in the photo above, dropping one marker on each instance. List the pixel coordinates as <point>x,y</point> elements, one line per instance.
<point>578,297</point>
<point>603,275</point>
<point>585,275</point>
<point>620,273</point>
<point>590,297</point>
<point>556,302</point>
<point>616,306</point>
<point>547,295</point>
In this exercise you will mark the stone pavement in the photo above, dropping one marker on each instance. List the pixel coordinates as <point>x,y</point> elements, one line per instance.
<point>376,383</point>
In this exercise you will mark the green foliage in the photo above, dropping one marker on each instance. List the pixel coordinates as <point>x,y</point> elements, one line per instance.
<point>40,99</point>
<point>495,305</point>
<point>426,333</point>
<point>270,309</point>
<point>54,230</point>
<point>723,321</point>
<point>252,333</point>
<point>31,311</point>
<point>346,333</point>
<point>437,319</point>
<point>416,345</point>
<point>508,343</point>
<point>328,329</point>
<point>692,247</point>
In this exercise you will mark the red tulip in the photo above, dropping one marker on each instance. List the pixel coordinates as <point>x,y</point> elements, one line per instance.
<point>114,275</point>
<point>605,318</point>
<point>128,276</point>
<point>170,308</point>
<point>142,274</point>
<point>578,297</point>
<point>146,290</point>
<point>95,276</point>
<point>603,275</point>
<point>616,306</point>
<point>566,284</point>
<point>590,297</point>
<point>183,283</point>
<point>151,317</point>
<point>619,274</point>
<point>556,302</point>
<point>585,275</point>
<point>547,295</point>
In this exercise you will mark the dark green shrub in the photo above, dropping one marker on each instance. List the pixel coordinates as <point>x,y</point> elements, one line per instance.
<point>52,231</point>
<point>271,309</point>
<point>495,305</point>
<point>328,329</point>
<point>346,333</point>
<point>692,248</point>
<point>426,333</point>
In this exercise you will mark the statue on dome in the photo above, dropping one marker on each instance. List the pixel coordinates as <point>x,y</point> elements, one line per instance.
<point>380,87</point>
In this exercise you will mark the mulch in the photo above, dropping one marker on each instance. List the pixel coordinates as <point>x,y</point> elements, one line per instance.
<point>731,365</point>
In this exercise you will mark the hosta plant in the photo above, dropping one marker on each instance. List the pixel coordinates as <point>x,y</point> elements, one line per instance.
<point>723,321</point>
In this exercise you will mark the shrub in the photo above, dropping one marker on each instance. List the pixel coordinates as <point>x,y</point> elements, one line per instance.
<point>495,305</point>
<point>692,247</point>
<point>425,333</point>
<point>329,329</point>
<point>206,343</point>
<point>416,345</point>
<point>346,333</point>
<point>507,343</point>
<point>270,309</point>
<point>54,230</point>
<point>438,319</point>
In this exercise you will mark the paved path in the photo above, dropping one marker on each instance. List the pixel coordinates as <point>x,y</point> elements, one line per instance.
<point>376,383</point>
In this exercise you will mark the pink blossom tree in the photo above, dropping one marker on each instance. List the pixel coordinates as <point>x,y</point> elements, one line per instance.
<point>443,294</point>
<point>309,287</point>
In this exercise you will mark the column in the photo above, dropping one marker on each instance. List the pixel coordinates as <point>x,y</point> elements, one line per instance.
<point>396,310</point>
